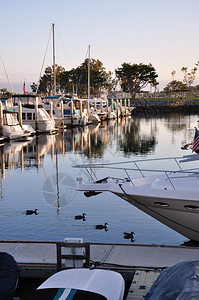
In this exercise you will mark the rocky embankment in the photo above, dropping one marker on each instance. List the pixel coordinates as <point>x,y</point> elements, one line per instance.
<point>156,106</point>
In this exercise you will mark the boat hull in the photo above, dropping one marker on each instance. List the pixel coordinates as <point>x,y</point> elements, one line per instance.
<point>175,215</point>
<point>176,206</point>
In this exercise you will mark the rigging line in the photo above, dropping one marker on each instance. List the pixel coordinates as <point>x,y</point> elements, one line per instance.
<point>6,74</point>
<point>146,207</point>
<point>63,44</point>
<point>82,71</point>
<point>43,60</point>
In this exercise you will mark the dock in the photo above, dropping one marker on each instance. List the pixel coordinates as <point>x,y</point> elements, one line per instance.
<point>139,262</point>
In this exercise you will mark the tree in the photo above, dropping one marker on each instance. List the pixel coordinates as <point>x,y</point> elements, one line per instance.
<point>46,81</point>
<point>155,84</point>
<point>190,77</point>
<point>99,78</point>
<point>173,74</point>
<point>174,87</point>
<point>76,80</point>
<point>34,87</point>
<point>135,77</point>
<point>5,93</point>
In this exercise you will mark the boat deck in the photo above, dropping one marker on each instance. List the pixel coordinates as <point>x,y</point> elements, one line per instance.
<point>120,256</point>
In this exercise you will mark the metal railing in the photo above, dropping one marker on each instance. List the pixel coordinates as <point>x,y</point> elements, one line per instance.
<point>117,166</point>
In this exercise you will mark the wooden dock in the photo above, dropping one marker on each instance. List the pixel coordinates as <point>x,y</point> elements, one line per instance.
<point>145,262</point>
<point>36,257</point>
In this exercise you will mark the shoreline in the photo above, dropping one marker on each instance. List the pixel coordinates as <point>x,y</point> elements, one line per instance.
<point>155,106</point>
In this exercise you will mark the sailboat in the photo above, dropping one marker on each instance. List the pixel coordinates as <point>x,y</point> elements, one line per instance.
<point>91,111</point>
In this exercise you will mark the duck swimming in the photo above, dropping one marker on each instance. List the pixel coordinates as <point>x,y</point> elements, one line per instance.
<point>129,235</point>
<point>102,226</point>
<point>80,217</point>
<point>31,212</point>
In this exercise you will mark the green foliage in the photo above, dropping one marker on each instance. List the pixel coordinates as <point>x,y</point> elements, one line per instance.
<point>135,77</point>
<point>174,87</point>
<point>5,93</point>
<point>189,77</point>
<point>76,80</point>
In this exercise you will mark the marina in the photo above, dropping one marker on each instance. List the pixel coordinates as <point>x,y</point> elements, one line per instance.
<point>43,195</point>
<point>140,265</point>
<point>99,150</point>
<point>40,174</point>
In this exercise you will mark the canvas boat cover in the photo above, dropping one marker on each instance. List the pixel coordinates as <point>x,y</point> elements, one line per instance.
<point>179,282</point>
<point>80,283</point>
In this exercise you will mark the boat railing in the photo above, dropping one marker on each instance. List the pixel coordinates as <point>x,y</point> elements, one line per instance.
<point>92,170</point>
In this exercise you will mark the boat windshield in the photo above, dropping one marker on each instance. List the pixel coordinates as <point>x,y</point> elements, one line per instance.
<point>10,119</point>
<point>61,293</point>
<point>43,115</point>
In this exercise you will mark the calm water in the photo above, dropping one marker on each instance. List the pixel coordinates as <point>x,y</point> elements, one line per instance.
<point>40,174</point>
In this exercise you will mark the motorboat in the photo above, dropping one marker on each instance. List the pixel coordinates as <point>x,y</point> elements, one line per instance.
<point>43,122</point>
<point>79,117</point>
<point>56,108</point>
<point>169,195</point>
<point>12,129</point>
<point>80,283</point>
<point>94,118</point>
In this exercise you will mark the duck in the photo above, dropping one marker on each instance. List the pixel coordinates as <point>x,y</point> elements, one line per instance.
<point>102,226</point>
<point>31,212</point>
<point>129,235</point>
<point>80,217</point>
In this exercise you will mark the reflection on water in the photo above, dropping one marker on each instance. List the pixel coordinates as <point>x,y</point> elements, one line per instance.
<point>131,136</point>
<point>39,174</point>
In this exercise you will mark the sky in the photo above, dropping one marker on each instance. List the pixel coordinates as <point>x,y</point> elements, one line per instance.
<point>163,33</point>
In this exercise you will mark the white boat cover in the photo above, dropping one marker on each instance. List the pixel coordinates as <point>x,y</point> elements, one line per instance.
<point>179,282</point>
<point>107,283</point>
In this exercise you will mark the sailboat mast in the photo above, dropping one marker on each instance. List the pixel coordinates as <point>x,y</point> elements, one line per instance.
<point>54,75</point>
<point>89,72</point>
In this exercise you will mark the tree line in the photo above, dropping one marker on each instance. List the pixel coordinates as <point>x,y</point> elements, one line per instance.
<point>131,78</point>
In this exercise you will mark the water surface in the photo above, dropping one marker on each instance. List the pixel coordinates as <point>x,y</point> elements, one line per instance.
<point>40,174</point>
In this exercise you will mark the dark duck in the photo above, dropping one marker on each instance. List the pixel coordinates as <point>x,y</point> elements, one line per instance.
<point>80,217</point>
<point>31,212</point>
<point>129,235</point>
<point>102,226</point>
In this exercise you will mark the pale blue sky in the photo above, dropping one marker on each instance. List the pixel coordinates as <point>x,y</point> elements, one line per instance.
<point>164,33</point>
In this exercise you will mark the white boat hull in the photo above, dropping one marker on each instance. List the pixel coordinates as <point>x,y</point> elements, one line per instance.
<point>15,132</point>
<point>174,203</point>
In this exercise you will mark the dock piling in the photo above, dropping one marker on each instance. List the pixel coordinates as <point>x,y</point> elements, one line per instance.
<point>20,113</point>
<point>62,112</point>
<point>36,114</point>
<point>51,109</point>
<point>1,119</point>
